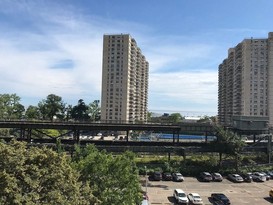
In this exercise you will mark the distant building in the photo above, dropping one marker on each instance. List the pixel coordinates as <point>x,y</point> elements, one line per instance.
<point>124,96</point>
<point>245,87</point>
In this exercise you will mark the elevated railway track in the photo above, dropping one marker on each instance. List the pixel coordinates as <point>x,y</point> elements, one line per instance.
<point>28,132</point>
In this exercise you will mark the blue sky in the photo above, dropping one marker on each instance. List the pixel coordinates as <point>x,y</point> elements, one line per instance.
<point>50,46</point>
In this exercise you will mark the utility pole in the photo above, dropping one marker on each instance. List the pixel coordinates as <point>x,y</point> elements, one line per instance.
<point>269,148</point>
<point>146,182</point>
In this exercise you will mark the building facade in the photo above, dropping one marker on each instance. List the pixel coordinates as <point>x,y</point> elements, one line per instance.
<point>245,81</point>
<point>125,71</point>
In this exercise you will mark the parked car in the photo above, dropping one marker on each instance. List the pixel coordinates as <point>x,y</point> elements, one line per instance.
<point>258,177</point>
<point>267,176</point>
<point>205,177</point>
<point>180,196</point>
<point>194,198</point>
<point>220,198</point>
<point>217,177</point>
<point>156,176</point>
<point>178,177</point>
<point>270,173</point>
<point>235,178</point>
<point>167,176</point>
<point>247,177</point>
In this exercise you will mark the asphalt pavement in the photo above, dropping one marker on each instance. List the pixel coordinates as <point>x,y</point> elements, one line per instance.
<point>254,193</point>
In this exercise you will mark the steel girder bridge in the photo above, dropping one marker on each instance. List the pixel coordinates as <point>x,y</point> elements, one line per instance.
<point>34,132</point>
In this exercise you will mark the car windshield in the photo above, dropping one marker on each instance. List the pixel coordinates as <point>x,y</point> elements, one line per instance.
<point>182,195</point>
<point>196,197</point>
<point>223,197</point>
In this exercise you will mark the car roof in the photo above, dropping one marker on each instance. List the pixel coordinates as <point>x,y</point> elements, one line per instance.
<point>219,194</point>
<point>194,194</point>
<point>179,190</point>
<point>206,173</point>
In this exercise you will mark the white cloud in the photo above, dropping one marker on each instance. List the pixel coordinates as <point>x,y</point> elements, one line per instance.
<point>27,58</point>
<point>184,91</point>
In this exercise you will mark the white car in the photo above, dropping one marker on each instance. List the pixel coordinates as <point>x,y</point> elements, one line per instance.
<point>195,198</point>
<point>180,196</point>
<point>178,177</point>
<point>258,177</point>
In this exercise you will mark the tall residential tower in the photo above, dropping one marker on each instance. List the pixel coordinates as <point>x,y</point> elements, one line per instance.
<point>124,96</point>
<point>245,86</point>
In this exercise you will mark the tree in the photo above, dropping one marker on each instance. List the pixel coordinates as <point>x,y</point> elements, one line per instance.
<point>114,179</point>
<point>10,107</point>
<point>39,176</point>
<point>80,111</point>
<point>229,143</point>
<point>94,110</point>
<point>32,112</point>
<point>51,107</point>
<point>149,116</point>
<point>207,119</point>
<point>175,117</point>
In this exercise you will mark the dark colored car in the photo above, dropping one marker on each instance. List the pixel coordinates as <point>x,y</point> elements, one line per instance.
<point>156,176</point>
<point>167,176</point>
<point>270,173</point>
<point>220,198</point>
<point>205,177</point>
<point>247,177</point>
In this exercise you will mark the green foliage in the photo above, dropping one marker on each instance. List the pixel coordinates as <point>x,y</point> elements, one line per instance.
<point>175,117</point>
<point>33,113</point>
<point>79,112</point>
<point>113,179</point>
<point>229,142</point>
<point>10,107</point>
<point>51,107</point>
<point>166,118</point>
<point>4,132</point>
<point>39,176</point>
<point>94,110</point>
<point>205,119</point>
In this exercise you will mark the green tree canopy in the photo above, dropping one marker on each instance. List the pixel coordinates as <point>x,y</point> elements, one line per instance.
<point>80,111</point>
<point>10,107</point>
<point>32,112</point>
<point>51,106</point>
<point>228,143</point>
<point>39,176</point>
<point>94,110</point>
<point>175,117</point>
<point>113,179</point>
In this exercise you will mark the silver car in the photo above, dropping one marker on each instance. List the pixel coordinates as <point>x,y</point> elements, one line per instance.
<point>258,177</point>
<point>178,177</point>
<point>235,178</point>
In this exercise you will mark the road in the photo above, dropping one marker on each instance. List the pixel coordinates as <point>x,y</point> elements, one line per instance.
<point>254,193</point>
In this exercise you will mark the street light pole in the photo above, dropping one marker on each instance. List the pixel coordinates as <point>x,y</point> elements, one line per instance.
<point>146,182</point>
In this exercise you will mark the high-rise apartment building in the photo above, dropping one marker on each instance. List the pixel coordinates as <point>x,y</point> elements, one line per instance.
<point>124,96</point>
<point>245,86</point>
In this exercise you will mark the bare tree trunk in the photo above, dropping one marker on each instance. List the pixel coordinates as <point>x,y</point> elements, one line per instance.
<point>220,159</point>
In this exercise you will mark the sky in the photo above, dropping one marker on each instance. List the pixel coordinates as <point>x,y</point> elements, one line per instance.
<point>55,47</point>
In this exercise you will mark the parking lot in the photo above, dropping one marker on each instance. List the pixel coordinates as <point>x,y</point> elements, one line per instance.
<point>254,193</point>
